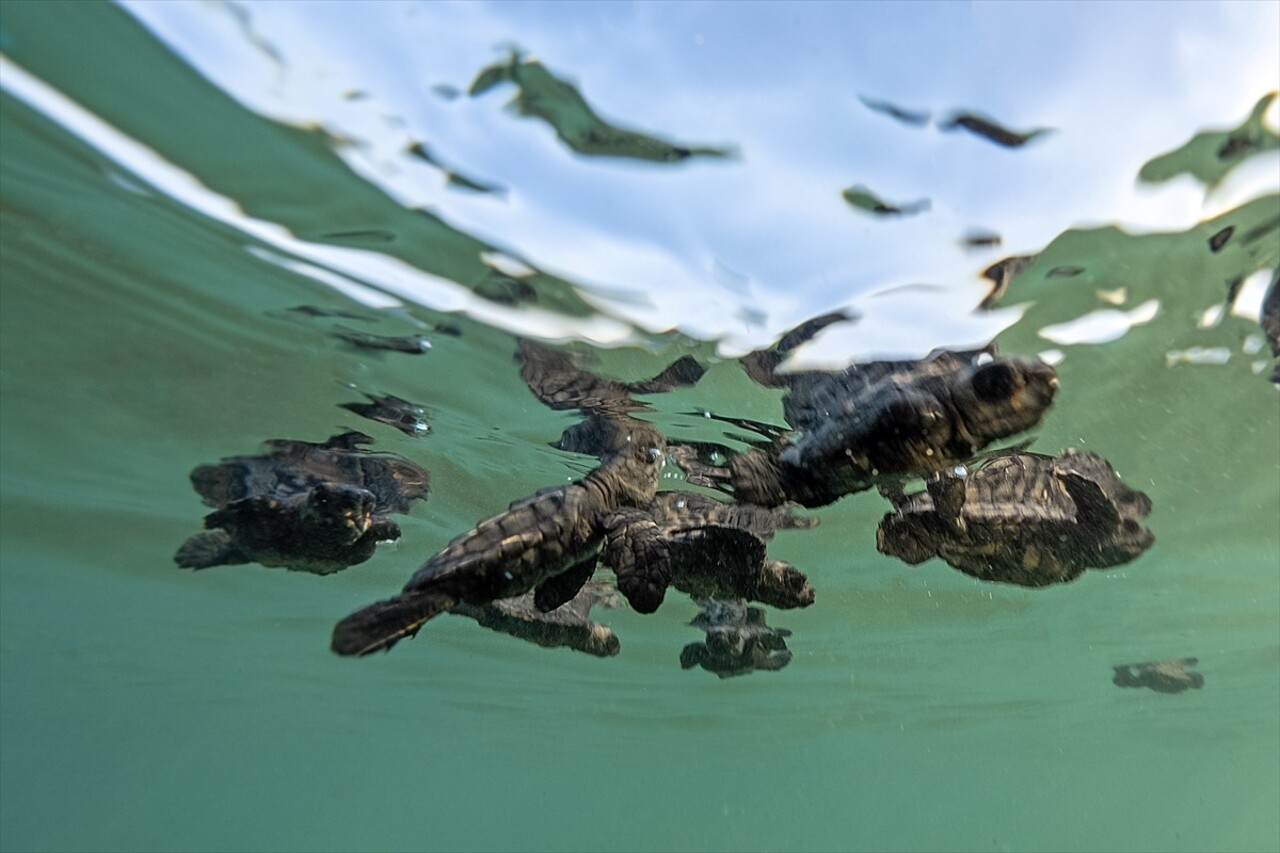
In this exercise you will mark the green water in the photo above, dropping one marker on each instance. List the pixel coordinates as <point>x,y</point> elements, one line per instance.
<point>144,707</point>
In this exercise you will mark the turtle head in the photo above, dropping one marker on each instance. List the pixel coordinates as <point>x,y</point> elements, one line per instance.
<point>340,510</point>
<point>635,462</point>
<point>912,537</point>
<point>1003,397</point>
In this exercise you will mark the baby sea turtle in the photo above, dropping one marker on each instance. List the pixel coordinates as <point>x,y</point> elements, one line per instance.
<point>308,507</point>
<point>1164,676</point>
<point>887,420</point>
<point>289,467</point>
<point>409,418</point>
<point>548,543</point>
<point>323,530</point>
<point>1021,518</point>
<point>718,549</point>
<point>411,344</point>
<point>568,625</point>
<point>738,640</point>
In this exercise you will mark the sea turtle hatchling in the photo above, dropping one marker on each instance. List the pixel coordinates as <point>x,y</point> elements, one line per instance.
<point>289,467</point>
<point>738,641</point>
<point>323,530</point>
<point>309,507</point>
<point>549,543</point>
<point>1021,518</point>
<point>568,625</point>
<point>718,549</point>
<point>1164,676</point>
<point>883,422</point>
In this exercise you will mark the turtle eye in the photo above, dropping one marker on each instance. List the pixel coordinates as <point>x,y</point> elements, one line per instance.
<point>995,382</point>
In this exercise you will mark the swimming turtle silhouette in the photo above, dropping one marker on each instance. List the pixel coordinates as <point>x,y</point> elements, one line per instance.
<point>882,421</point>
<point>549,543</point>
<point>313,507</point>
<point>1021,518</point>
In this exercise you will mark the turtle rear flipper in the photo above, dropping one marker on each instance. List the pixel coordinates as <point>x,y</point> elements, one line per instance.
<point>209,548</point>
<point>693,655</point>
<point>382,530</point>
<point>775,661</point>
<point>384,623</point>
<point>948,493</point>
<point>564,587</point>
<point>1095,512</point>
<point>684,372</point>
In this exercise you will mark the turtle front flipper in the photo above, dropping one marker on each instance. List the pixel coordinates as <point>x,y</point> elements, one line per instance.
<point>684,372</point>
<point>947,490</point>
<point>770,661</point>
<point>209,548</point>
<point>237,512</point>
<point>562,588</point>
<point>637,552</point>
<point>382,530</point>
<point>384,623</point>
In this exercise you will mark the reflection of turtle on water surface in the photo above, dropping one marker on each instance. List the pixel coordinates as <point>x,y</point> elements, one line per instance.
<point>738,641</point>
<point>308,507</point>
<point>549,543</point>
<point>557,379</point>
<point>568,625</point>
<point>1021,518</point>
<point>1165,676</point>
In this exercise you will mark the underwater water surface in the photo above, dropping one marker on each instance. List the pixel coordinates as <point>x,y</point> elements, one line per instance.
<point>175,178</point>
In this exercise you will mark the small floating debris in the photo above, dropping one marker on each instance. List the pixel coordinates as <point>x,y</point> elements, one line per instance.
<point>1116,297</point>
<point>411,344</point>
<point>1218,240</point>
<point>447,91</point>
<point>1165,676</point>
<point>454,178</point>
<point>1197,355</point>
<point>365,235</point>
<point>991,130</point>
<point>915,118</point>
<point>317,311</point>
<point>1064,271</point>
<point>864,199</point>
<point>409,418</point>
<point>979,239</point>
